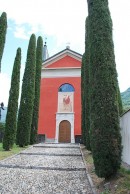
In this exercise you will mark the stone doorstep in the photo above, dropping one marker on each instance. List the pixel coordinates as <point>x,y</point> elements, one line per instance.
<point>55,147</point>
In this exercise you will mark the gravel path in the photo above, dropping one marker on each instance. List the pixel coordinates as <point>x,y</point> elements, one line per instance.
<point>45,169</point>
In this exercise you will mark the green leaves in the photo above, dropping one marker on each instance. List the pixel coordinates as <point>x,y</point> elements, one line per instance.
<point>27,96</point>
<point>104,110</point>
<point>34,126</point>
<point>11,117</point>
<point>85,85</point>
<point>3,30</point>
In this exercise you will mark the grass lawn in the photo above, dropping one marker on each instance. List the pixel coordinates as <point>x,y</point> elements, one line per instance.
<point>120,184</point>
<point>4,154</point>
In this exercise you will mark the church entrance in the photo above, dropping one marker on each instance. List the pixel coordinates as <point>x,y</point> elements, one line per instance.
<point>64,132</point>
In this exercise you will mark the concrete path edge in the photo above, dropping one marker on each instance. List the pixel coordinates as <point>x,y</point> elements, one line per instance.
<point>89,178</point>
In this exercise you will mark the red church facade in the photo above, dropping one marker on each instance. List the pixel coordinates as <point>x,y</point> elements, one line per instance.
<point>60,97</point>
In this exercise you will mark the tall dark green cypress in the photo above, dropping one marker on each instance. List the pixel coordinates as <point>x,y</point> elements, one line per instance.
<point>83,100</point>
<point>34,126</point>
<point>3,30</point>
<point>85,91</point>
<point>105,136</point>
<point>27,96</point>
<point>11,117</point>
<point>87,85</point>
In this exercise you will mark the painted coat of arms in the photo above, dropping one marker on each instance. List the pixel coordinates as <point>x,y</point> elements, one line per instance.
<point>65,102</point>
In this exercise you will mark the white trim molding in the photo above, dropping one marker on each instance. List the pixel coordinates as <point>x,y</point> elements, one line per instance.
<point>61,117</point>
<point>61,72</point>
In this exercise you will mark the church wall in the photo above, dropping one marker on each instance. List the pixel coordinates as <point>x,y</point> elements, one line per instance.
<point>49,104</point>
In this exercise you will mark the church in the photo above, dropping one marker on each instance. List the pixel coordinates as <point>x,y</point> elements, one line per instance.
<point>60,97</point>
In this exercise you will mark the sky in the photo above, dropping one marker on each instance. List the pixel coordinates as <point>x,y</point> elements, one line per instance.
<point>59,22</point>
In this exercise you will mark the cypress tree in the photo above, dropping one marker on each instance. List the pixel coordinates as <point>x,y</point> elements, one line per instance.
<point>83,100</point>
<point>87,85</point>
<point>3,30</point>
<point>34,125</point>
<point>105,130</point>
<point>11,117</point>
<point>85,91</point>
<point>27,96</point>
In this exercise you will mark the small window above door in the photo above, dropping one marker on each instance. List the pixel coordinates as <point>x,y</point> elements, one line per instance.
<point>66,88</point>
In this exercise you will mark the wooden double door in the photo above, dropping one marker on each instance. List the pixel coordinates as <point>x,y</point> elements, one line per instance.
<point>65,132</point>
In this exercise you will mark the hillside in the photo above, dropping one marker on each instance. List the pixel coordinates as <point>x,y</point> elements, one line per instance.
<point>126,99</point>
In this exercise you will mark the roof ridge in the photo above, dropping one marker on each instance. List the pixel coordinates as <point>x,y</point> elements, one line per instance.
<point>66,49</point>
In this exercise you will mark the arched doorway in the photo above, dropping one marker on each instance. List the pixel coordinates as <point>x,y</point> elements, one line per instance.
<point>65,132</point>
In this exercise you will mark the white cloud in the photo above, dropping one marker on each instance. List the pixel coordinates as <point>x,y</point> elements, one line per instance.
<point>4,88</point>
<point>120,12</point>
<point>5,83</point>
<point>65,20</point>
<point>62,19</point>
<point>20,32</point>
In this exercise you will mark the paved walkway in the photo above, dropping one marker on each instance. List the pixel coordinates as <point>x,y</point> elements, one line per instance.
<point>46,169</point>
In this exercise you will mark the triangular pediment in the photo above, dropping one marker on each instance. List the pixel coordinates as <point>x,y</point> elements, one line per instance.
<point>64,59</point>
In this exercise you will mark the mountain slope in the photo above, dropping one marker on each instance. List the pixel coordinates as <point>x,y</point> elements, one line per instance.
<point>126,99</point>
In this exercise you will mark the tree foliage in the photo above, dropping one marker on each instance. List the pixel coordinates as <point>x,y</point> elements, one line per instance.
<point>105,130</point>
<point>2,127</point>
<point>3,30</point>
<point>11,117</point>
<point>83,101</point>
<point>34,126</point>
<point>27,96</point>
<point>87,85</point>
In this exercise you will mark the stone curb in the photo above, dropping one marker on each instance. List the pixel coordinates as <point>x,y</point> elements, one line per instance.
<point>89,178</point>
<point>47,154</point>
<point>41,168</point>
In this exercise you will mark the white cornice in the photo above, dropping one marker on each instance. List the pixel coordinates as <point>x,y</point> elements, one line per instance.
<point>57,68</point>
<point>57,73</point>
